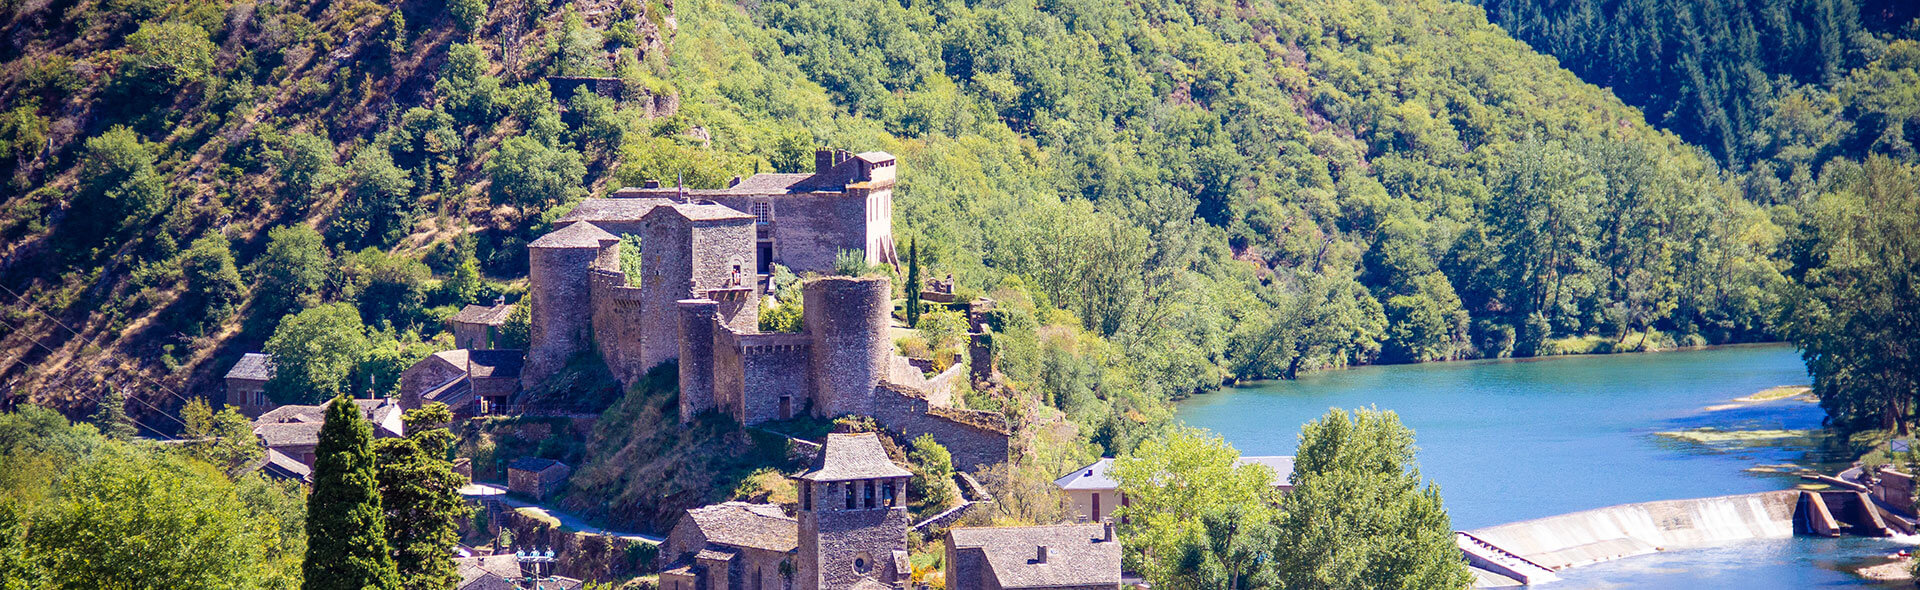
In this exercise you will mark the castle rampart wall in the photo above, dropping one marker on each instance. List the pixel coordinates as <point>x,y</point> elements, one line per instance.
<point>774,367</point>
<point>619,326</point>
<point>976,438</point>
<point>696,357</point>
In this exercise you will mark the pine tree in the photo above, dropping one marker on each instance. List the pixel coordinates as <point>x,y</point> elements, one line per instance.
<point>913,282</point>
<point>346,527</point>
<point>112,416</point>
<point>421,494</point>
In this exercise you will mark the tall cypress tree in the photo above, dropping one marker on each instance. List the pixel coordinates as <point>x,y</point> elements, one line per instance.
<point>913,282</point>
<point>346,527</point>
<point>421,495</point>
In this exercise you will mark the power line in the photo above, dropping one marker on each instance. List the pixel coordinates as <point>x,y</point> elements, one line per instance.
<point>143,402</point>
<point>56,321</point>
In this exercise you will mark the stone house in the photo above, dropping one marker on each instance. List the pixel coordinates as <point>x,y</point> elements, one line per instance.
<point>493,572</point>
<point>478,326</point>
<point>731,545</point>
<point>1092,494</point>
<point>290,433</point>
<point>471,382</point>
<point>536,478</point>
<point>1055,557</point>
<point>247,384</point>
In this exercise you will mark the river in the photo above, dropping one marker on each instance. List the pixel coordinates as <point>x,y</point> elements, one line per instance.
<point>1515,440</point>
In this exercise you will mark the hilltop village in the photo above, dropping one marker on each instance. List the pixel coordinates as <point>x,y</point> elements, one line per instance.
<point>704,269</point>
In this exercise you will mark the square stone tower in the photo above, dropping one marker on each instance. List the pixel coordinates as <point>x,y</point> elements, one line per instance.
<point>853,517</point>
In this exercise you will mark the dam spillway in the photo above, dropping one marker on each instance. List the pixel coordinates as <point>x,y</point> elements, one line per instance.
<point>1530,551</point>
<point>1614,532</point>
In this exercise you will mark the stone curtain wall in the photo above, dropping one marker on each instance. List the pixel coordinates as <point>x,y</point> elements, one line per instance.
<point>977,439</point>
<point>810,229</point>
<point>847,320</point>
<point>773,365</point>
<point>619,325</point>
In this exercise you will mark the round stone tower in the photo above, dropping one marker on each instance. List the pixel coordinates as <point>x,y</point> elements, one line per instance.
<point>562,313</point>
<point>846,319</point>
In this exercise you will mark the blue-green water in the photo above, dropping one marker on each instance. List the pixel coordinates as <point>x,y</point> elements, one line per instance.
<point>1516,440</point>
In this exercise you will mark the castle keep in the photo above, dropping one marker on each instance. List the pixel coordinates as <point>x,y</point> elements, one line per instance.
<point>704,261</point>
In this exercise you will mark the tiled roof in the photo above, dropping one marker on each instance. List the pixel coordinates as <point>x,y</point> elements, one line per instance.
<point>486,572</point>
<point>578,235</point>
<point>1077,554</point>
<point>758,184</point>
<point>252,365</point>
<point>286,414</point>
<point>453,393</point>
<point>534,464</point>
<point>289,434</point>
<point>1091,477</point>
<point>490,315</point>
<point>853,456</point>
<point>874,157</point>
<point>739,524</point>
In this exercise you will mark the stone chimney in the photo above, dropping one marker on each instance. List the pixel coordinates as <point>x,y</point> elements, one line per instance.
<point>651,184</point>
<point>735,182</point>
<point>1108,533</point>
<point>822,160</point>
<point>1040,556</point>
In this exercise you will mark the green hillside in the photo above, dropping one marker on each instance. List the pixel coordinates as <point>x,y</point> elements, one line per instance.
<point>1168,196</point>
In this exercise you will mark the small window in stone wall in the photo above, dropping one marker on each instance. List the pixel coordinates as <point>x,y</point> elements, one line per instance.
<point>762,212</point>
<point>850,497</point>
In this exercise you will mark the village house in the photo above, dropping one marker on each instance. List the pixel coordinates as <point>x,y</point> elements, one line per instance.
<point>247,384</point>
<point>731,545</point>
<point>1056,557</point>
<point>536,478</point>
<point>290,433</point>
<point>499,572</point>
<point>478,326</point>
<point>1093,495</point>
<point>471,382</point>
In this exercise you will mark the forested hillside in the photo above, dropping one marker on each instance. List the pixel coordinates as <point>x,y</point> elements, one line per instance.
<point>1165,195</point>
<point>1766,84</point>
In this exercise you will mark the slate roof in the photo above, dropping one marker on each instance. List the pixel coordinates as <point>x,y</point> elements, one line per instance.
<point>1077,554</point>
<point>252,365</point>
<point>289,434</point>
<point>1091,477</point>
<point>501,363</point>
<point>1282,466</point>
<point>853,456</point>
<point>875,157</point>
<point>739,524</point>
<point>1095,478</point>
<point>578,235</point>
<point>489,572</point>
<point>284,466</point>
<point>384,414</point>
<point>700,211</point>
<point>534,464</point>
<point>453,393</point>
<point>614,209</point>
<point>765,183</point>
<point>488,315</point>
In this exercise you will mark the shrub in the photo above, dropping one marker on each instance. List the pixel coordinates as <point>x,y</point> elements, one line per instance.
<point>162,57</point>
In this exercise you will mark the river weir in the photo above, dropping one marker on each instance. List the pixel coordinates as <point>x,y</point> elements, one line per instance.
<point>1605,472</point>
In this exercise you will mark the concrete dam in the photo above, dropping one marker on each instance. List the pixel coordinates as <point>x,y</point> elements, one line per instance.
<point>1531,551</point>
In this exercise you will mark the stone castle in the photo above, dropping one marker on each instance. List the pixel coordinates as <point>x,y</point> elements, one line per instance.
<point>704,261</point>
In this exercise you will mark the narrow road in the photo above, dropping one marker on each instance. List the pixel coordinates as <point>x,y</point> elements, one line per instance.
<point>567,520</point>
